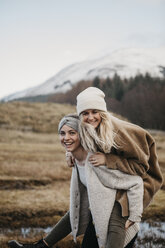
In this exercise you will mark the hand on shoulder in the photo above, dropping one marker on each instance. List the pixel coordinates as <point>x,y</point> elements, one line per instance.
<point>69,159</point>
<point>97,159</point>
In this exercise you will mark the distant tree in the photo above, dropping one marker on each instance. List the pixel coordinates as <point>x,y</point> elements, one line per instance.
<point>140,99</point>
<point>108,87</point>
<point>118,87</point>
<point>145,105</point>
<point>96,82</point>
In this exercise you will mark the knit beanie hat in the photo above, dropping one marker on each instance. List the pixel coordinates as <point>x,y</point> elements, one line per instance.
<point>71,120</point>
<point>91,98</point>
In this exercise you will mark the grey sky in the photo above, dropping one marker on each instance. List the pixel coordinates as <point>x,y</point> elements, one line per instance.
<point>40,37</point>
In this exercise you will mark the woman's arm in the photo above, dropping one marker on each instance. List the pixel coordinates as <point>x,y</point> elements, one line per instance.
<point>133,152</point>
<point>128,165</point>
<point>117,162</point>
<point>117,180</point>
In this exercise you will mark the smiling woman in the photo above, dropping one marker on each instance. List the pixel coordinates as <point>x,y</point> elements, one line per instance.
<point>69,138</point>
<point>92,117</point>
<point>118,145</point>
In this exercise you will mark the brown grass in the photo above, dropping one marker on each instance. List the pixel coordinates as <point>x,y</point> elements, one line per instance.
<point>31,155</point>
<point>156,209</point>
<point>37,117</point>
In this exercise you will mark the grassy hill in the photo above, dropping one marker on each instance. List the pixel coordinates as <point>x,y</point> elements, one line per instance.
<point>35,117</point>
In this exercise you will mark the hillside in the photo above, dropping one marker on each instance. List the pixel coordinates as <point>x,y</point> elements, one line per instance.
<point>124,62</point>
<point>34,117</point>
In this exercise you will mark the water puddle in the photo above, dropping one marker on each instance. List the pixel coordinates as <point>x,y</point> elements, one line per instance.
<point>150,234</point>
<point>25,232</point>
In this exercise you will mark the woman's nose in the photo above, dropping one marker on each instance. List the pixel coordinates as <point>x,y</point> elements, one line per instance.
<point>67,136</point>
<point>90,116</point>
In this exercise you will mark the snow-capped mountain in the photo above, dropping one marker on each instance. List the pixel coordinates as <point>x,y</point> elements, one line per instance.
<point>125,62</point>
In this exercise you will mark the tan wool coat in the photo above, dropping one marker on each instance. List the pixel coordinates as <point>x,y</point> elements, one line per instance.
<point>135,155</point>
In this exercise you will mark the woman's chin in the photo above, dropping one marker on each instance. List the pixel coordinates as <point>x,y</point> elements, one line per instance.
<point>69,149</point>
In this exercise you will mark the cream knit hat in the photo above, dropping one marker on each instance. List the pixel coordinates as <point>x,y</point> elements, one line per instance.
<point>91,98</point>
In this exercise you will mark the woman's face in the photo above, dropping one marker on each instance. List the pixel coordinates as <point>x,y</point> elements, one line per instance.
<point>92,117</point>
<point>69,138</point>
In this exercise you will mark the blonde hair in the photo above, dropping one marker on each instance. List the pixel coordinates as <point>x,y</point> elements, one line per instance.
<point>101,138</point>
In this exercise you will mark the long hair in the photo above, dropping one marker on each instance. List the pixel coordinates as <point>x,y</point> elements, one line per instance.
<point>102,138</point>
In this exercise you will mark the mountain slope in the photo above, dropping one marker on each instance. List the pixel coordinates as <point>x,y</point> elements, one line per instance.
<point>125,62</point>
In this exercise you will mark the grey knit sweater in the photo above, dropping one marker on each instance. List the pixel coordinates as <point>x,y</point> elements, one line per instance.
<point>99,197</point>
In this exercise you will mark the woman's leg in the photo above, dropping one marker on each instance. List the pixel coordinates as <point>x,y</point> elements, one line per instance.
<point>60,231</point>
<point>90,240</point>
<point>116,230</point>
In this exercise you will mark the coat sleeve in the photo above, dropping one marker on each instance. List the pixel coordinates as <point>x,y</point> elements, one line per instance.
<point>133,150</point>
<point>134,187</point>
<point>136,155</point>
<point>128,165</point>
<point>117,180</point>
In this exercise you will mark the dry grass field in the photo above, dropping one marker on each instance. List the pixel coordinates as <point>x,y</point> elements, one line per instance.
<point>34,178</point>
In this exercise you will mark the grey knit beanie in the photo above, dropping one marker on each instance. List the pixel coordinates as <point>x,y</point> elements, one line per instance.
<point>71,120</point>
<point>91,98</point>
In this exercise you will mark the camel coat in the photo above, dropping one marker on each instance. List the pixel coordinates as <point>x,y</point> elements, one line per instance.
<point>136,155</point>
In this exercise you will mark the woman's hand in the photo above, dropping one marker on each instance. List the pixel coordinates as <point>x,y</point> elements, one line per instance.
<point>128,224</point>
<point>69,159</point>
<point>97,159</point>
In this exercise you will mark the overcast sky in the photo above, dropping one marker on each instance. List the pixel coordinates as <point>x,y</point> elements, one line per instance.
<point>40,37</point>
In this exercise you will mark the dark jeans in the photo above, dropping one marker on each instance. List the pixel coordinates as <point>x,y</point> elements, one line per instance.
<point>116,232</point>
<point>63,228</point>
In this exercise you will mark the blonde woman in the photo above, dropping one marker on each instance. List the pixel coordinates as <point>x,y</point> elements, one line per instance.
<point>118,145</point>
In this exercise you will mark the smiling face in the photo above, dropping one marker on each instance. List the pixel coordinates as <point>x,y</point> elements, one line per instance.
<point>92,117</point>
<point>69,138</point>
